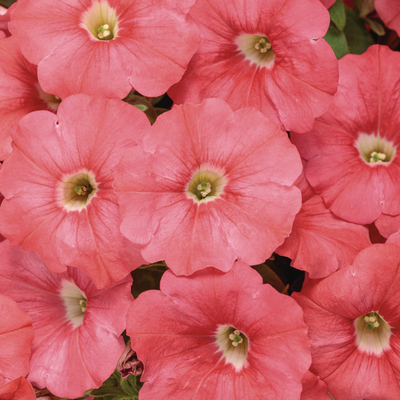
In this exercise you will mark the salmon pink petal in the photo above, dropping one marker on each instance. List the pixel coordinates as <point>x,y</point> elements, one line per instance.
<point>77,326</point>
<point>18,389</point>
<point>354,319</point>
<point>255,54</point>
<point>314,388</point>
<point>321,243</point>
<point>352,156</point>
<point>238,214</point>
<point>192,327</point>
<point>106,47</point>
<point>389,13</point>
<point>388,225</point>
<point>16,335</point>
<point>20,94</point>
<point>53,157</point>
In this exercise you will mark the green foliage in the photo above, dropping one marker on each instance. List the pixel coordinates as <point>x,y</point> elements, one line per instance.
<point>115,388</point>
<point>347,32</point>
<point>338,14</point>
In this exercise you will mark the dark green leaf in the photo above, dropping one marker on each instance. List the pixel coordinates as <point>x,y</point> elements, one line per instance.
<point>107,391</point>
<point>112,381</point>
<point>111,397</point>
<point>128,387</point>
<point>337,40</point>
<point>338,14</point>
<point>126,398</point>
<point>357,37</point>
<point>353,39</point>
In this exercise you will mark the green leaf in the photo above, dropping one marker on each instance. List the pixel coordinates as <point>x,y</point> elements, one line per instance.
<point>128,387</point>
<point>111,397</point>
<point>357,36</point>
<point>375,25</point>
<point>141,107</point>
<point>338,14</point>
<point>364,7</point>
<point>126,398</point>
<point>107,391</point>
<point>354,38</point>
<point>337,40</point>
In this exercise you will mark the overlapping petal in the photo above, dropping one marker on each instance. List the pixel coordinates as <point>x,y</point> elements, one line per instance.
<point>294,89</point>
<point>366,106</point>
<point>88,134</point>
<point>152,47</point>
<point>66,359</point>
<point>247,221</point>
<point>331,307</point>
<point>180,336</point>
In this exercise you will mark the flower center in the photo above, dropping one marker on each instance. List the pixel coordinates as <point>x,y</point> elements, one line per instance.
<point>75,302</point>
<point>233,344</point>
<point>257,49</point>
<point>372,333</point>
<point>101,21</point>
<point>207,184</point>
<point>78,190</point>
<point>52,101</point>
<point>375,150</point>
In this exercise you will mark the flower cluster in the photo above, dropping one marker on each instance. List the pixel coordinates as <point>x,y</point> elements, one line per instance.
<point>267,197</point>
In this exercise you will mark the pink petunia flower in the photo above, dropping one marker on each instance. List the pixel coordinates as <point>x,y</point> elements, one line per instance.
<point>77,327</point>
<point>353,318</point>
<point>16,336</point>
<point>57,185</point>
<point>321,243</point>
<point>263,54</point>
<point>18,389</point>
<point>20,92</point>
<point>106,47</point>
<point>219,336</point>
<point>352,157</point>
<point>209,186</point>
